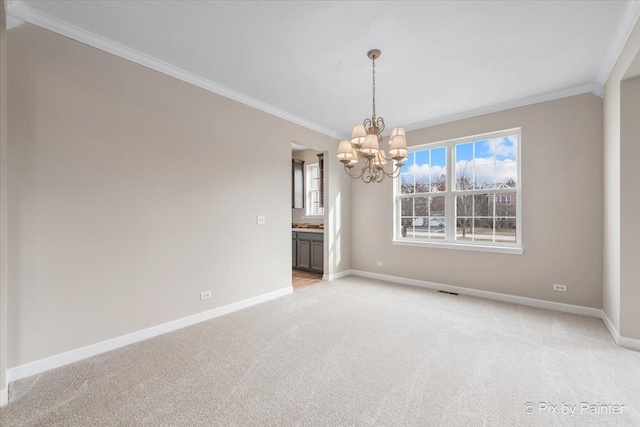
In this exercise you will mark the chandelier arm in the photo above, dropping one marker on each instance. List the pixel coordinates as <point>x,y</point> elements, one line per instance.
<point>368,178</point>
<point>367,123</point>
<point>382,154</point>
<point>362,171</point>
<point>357,176</point>
<point>348,172</point>
<point>394,174</point>
<point>380,124</point>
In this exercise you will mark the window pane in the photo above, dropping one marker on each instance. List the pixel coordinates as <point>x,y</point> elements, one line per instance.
<point>408,165</point>
<point>506,174</point>
<point>437,227</point>
<point>421,228</point>
<point>463,229</point>
<point>436,206</point>
<point>422,180</point>
<point>483,229</point>
<point>406,207</point>
<point>464,154</point>
<point>439,157</point>
<point>406,227</point>
<point>439,169</point>
<point>406,184</point>
<point>464,177</point>
<point>506,205</point>
<point>506,148</point>
<point>484,150</point>
<point>438,180</point>
<point>464,206</point>
<point>421,206</point>
<point>506,230</point>
<point>483,177</point>
<point>422,159</point>
<point>482,205</point>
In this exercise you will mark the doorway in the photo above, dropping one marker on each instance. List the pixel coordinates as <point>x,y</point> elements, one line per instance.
<point>307,216</point>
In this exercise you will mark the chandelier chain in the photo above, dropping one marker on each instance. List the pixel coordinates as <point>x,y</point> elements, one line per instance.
<point>373,118</point>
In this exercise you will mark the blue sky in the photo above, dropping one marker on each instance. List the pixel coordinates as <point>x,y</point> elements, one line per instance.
<point>494,160</point>
<point>501,149</point>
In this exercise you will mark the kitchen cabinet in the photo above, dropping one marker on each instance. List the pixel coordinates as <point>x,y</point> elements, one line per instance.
<point>307,251</point>
<point>294,250</point>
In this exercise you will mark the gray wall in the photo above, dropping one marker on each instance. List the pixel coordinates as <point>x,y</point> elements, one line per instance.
<point>612,195</point>
<point>309,157</point>
<point>131,192</point>
<point>561,210</point>
<point>630,208</point>
<point>3,184</point>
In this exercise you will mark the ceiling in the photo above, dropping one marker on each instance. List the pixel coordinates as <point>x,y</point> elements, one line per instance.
<point>307,60</point>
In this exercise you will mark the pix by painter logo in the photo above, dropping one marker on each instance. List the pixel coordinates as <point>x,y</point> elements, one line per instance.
<point>570,410</point>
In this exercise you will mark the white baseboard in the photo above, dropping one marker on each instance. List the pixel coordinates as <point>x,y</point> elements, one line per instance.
<point>4,397</point>
<point>338,275</point>
<point>612,330</point>
<point>629,343</point>
<point>43,365</point>
<point>531,302</point>
<point>626,342</point>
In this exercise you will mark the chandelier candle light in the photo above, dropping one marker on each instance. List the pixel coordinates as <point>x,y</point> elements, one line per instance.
<point>365,144</point>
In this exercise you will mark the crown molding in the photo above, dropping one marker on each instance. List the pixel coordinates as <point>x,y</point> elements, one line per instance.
<point>594,88</point>
<point>25,13</point>
<point>71,31</point>
<point>626,25</point>
<point>16,13</point>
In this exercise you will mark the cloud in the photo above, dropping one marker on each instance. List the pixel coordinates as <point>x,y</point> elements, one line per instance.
<point>505,147</point>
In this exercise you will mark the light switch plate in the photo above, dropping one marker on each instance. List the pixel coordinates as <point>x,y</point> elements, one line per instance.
<point>261,220</point>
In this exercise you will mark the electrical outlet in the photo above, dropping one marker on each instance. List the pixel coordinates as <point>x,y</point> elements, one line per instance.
<point>205,295</point>
<point>261,220</point>
<point>380,264</point>
<point>559,288</point>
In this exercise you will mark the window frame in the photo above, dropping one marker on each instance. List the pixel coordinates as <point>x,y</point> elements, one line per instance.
<point>309,190</point>
<point>451,194</point>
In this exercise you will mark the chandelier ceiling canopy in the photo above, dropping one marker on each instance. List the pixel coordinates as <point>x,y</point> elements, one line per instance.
<point>365,142</point>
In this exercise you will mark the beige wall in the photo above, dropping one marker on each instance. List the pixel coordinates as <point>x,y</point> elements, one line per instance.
<point>131,192</point>
<point>612,230</point>
<point>309,157</point>
<point>561,210</point>
<point>3,219</point>
<point>630,208</point>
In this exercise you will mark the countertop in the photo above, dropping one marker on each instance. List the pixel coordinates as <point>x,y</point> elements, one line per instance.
<point>308,230</point>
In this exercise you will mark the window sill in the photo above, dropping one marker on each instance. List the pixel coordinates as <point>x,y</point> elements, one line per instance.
<point>462,246</point>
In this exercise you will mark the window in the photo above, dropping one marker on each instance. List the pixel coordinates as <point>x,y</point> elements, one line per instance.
<point>461,193</point>
<point>314,207</point>
<point>503,200</point>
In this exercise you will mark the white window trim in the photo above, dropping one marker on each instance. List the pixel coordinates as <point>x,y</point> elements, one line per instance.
<point>308,202</point>
<point>451,193</point>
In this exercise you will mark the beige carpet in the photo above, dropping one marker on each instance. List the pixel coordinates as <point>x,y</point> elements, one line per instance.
<point>350,352</point>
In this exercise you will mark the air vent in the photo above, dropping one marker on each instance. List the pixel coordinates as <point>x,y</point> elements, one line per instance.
<point>450,293</point>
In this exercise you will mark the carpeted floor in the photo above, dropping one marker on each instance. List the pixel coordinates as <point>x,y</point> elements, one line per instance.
<point>350,352</point>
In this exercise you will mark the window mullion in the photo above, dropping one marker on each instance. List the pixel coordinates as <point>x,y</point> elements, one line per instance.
<point>450,206</point>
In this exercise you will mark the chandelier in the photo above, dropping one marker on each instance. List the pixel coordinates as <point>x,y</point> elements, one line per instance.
<point>365,142</point>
